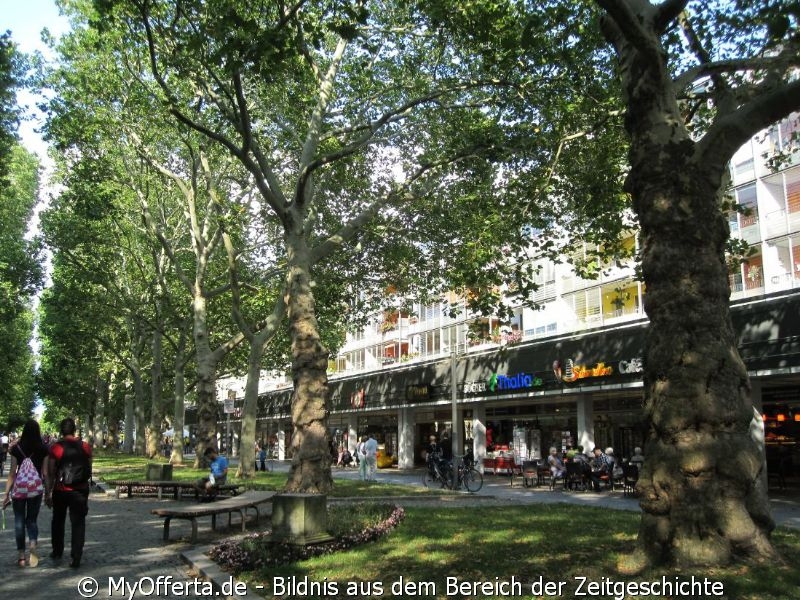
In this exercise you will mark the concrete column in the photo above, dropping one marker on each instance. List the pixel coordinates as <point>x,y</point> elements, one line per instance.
<point>479,435</point>
<point>757,432</point>
<point>405,438</point>
<point>352,436</point>
<point>585,433</point>
<point>281,443</point>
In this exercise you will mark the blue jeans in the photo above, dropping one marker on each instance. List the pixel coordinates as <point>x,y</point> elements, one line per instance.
<point>26,512</point>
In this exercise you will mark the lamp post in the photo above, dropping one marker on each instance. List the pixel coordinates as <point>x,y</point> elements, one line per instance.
<point>456,433</point>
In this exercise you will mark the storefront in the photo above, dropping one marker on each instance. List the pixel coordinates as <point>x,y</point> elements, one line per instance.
<point>583,389</point>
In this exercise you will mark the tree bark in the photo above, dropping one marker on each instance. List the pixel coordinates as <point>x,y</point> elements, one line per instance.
<point>701,499</point>
<point>206,382</point>
<point>156,402</point>
<point>311,461</point>
<point>179,395</point>
<point>247,454</point>
<point>139,416</point>
<point>127,443</point>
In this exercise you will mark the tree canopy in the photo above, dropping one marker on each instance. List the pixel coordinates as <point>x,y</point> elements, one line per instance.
<point>292,162</point>
<point>20,273</point>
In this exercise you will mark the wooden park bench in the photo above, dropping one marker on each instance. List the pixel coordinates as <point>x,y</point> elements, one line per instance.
<point>239,504</point>
<point>177,488</point>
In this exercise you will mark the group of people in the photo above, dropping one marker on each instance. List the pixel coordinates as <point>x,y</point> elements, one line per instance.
<point>595,468</point>
<point>366,457</point>
<point>58,473</point>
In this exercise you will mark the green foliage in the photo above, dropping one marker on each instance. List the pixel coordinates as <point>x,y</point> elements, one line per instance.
<point>20,272</point>
<point>20,277</point>
<point>9,118</point>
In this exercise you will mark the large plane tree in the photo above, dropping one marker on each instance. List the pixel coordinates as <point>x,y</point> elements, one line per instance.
<point>699,79</point>
<point>358,127</point>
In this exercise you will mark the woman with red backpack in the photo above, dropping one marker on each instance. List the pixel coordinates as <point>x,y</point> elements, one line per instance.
<point>24,489</point>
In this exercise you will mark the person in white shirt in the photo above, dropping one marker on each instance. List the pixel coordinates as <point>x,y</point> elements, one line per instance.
<point>361,453</point>
<point>371,450</point>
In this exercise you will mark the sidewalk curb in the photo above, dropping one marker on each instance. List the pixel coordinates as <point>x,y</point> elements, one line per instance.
<point>206,568</point>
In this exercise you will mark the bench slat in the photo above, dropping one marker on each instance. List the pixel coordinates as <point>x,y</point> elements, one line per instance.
<point>238,504</point>
<point>176,486</point>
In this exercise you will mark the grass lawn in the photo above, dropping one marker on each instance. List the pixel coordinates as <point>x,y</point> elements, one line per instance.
<point>115,465</point>
<point>547,543</point>
<point>555,543</point>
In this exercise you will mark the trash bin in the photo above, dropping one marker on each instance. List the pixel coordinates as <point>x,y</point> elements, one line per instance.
<point>159,472</point>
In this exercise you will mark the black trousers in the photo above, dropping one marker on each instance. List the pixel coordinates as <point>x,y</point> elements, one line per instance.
<point>76,502</point>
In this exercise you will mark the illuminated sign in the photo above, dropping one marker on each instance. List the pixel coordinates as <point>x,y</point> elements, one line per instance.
<point>572,372</point>
<point>498,382</point>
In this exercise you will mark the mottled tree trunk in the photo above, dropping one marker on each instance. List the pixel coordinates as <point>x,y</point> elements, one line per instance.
<point>206,383</point>
<point>247,455</point>
<point>98,423</point>
<point>179,394</point>
<point>700,494</point>
<point>127,443</point>
<point>701,500</point>
<point>156,402</point>
<point>140,418</point>
<point>311,464</point>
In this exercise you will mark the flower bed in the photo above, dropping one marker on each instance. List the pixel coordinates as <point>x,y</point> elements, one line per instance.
<point>368,522</point>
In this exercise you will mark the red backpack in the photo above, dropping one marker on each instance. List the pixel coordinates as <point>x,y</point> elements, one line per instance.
<point>28,482</point>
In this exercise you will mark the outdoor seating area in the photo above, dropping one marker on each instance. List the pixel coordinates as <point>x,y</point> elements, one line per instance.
<point>250,500</point>
<point>575,477</point>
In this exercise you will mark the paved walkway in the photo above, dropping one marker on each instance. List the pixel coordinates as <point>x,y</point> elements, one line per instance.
<point>785,509</point>
<point>124,545</point>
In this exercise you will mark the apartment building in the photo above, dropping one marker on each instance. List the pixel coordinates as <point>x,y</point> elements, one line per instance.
<point>570,372</point>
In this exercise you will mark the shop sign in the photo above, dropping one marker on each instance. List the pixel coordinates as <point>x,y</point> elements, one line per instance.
<point>474,387</point>
<point>418,393</point>
<point>572,372</point>
<point>358,398</point>
<point>519,381</point>
<point>229,407</point>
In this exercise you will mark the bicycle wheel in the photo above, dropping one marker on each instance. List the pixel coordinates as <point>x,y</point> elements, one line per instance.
<point>473,480</point>
<point>428,480</point>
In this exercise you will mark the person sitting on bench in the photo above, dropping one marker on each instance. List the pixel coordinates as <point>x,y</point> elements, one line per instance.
<point>218,474</point>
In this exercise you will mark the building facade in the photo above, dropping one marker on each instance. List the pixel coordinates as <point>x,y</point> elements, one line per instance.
<point>570,372</point>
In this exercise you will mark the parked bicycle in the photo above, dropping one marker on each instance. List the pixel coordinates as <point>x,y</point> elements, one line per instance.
<point>438,472</point>
<point>468,476</point>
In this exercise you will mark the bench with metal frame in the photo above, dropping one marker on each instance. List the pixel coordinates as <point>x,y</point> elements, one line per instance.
<point>236,504</point>
<point>176,487</point>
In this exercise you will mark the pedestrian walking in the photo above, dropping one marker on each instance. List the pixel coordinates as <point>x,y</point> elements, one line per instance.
<point>24,490</point>
<point>371,452</point>
<point>361,452</point>
<point>262,458</point>
<point>68,470</point>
